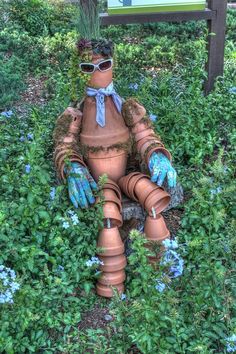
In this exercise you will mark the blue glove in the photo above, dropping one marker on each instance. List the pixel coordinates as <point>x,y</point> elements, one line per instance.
<point>80,185</point>
<point>160,168</point>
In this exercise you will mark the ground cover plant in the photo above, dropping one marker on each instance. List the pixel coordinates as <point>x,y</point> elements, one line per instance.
<point>47,249</point>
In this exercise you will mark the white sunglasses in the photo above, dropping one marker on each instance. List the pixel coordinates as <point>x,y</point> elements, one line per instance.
<point>89,68</point>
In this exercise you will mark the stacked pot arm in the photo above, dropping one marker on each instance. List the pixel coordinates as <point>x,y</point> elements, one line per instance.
<point>66,140</point>
<point>146,140</point>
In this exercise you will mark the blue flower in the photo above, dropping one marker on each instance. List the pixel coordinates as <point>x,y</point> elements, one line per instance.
<point>215,191</point>
<point>232,90</point>
<point>7,286</point>
<point>60,268</point>
<point>93,261</point>
<point>231,344</point>
<point>71,212</point>
<point>52,193</point>
<point>15,286</point>
<point>123,297</point>
<point>153,117</point>
<point>7,114</point>
<point>3,275</point>
<point>75,219</point>
<point>170,244</point>
<point>65,225</point>
<point>133,86</point>
<point>30,136</point>
<point>160,286</point>
<point>27,168</point>
<point>176,263</point>
<point>22,138</point>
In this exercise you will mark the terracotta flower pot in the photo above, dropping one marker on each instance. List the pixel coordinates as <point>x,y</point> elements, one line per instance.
<point>111,211</point>
<point>134,109</point>
<point>107,291</point>
<point>110,242</point>
<point>159,149</point>
<point>158,199</point>
<point>155,229</point>
<point>111,196</point>
<point>143,134</point>
<point>146,145</point>
<point>143,188</point>
<point>123,182</point>
<point>131,185</point>
<point>114,186</point>
<point>113,278</point>
<point>139,127</point>
<point>113,264</point>
<point>113,163</point>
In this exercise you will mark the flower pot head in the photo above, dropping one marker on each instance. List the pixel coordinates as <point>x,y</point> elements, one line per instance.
<point>96,61</point>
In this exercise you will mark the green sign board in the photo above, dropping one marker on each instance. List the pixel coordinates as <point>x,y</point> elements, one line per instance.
<point>149,6</point>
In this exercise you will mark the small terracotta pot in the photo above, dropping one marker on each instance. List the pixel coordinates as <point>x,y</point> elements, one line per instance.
<point>132,182</point>
<point>137,111</point>
<point>144,134</point>
<point>123,181</point>
<point>146,145</point>
<point>158,199</point>
<point>110,242</point>
<point>145,193</point>
<point>112,162</point>
<point>113,264</point>
<point>111,196</point>
<point>159,149</point>
<point>107,291</point>
<point>139,127</point>
<point>111,211</point>
<point>141,185</point>
<point>143,141</point>
<point>113,278</point>
<point>113,186</point>
<point>155,229</point>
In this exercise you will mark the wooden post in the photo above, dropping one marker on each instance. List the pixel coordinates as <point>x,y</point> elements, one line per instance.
<point>216,42</point>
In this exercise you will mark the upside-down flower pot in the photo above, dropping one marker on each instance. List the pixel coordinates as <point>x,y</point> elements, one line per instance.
<point>159,199</point>
<point>112,211</point>
<point>113,278</point>
<point>107,291</point>
<point>113,264</point>
<point>155,229</point>
<point>110,242</point>
<point>113,186</point>
<point>112,162</point>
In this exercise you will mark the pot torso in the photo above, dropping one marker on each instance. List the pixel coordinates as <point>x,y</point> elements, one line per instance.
<point>105,147</point>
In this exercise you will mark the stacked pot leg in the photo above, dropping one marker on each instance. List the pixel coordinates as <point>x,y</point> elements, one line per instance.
<point>110,245</point>
<point>154,199</point>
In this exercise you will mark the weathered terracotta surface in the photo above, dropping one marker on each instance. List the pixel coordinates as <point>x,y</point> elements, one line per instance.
<point>110,242</point>
<point>158,199</point>
<point>107,291</point>
<point>114,132</point>
<point>113,264</point>
<point>112,163</point>
<point>113,278</point>
<point>112,211</point>
<point>155,229</point>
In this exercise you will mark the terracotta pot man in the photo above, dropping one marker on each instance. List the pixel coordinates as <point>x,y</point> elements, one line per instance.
<point>97,138</point>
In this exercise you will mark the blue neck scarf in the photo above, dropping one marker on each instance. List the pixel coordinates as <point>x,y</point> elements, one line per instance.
<point>100,101</point>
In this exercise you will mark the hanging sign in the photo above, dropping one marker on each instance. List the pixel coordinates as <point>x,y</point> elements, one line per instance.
<point>145,6</point>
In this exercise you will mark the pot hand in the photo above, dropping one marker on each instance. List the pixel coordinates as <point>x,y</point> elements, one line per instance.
<point>160,168</point>
<point>80,185</point>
